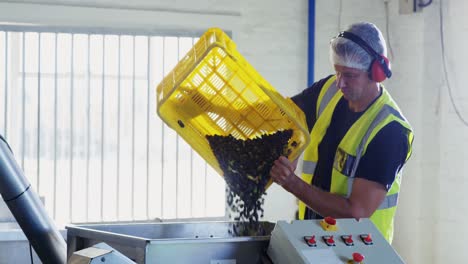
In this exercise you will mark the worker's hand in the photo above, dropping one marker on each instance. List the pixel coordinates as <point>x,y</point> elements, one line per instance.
<point>282,172</point>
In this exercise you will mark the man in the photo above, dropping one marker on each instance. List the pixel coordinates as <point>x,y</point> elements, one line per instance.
<point>360,140</point>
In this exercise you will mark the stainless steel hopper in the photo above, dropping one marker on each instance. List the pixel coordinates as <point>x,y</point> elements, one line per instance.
<point>188,242</point>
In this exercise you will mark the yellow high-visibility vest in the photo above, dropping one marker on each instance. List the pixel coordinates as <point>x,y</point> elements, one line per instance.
<point>352,147</point>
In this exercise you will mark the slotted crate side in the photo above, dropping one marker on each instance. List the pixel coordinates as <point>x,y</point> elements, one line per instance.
<point>213,37</point>
<point>222,94</point>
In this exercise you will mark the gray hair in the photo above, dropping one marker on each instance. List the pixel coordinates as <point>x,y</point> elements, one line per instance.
<point>345,52</point>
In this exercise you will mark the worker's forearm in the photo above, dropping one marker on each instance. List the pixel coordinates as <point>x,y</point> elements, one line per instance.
<point>324,203</point>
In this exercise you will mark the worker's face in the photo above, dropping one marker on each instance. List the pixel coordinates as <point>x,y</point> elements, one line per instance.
<point>352,82</point>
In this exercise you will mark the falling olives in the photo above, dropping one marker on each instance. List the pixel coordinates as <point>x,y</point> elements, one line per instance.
<point>246,165</point>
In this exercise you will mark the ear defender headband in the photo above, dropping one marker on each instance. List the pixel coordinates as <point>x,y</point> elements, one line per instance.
<point>379,68</point>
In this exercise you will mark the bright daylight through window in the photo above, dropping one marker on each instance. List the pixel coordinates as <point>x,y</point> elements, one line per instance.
<point>79,112</point>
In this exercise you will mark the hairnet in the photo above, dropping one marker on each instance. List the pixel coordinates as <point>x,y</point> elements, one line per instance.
<point>345,52</point>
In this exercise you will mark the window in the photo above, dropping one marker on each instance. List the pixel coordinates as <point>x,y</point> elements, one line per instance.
<point>79,111</point>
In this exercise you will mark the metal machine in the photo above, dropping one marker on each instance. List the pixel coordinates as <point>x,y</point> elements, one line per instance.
<point>27,208</point>
<point>330,241</point>
<point>188,242</point>
<point>310,241</point>
<point>98,254</point>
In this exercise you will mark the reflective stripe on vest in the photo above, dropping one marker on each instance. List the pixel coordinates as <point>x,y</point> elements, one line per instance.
<point>389,201</point>
<point>309,167</point>
<point>327,97</point>
<point>383,113</point>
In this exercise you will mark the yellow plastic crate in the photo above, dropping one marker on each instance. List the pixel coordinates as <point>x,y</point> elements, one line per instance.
<point>213,90</point>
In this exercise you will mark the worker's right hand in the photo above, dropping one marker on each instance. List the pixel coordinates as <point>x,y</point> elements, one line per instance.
<point>282,172</point>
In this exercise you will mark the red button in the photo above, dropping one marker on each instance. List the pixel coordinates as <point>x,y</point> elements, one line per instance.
<point>368,239</point>
<point>312,240</point>
<point>330,220</point>
<point>358,257</point>
<point>349,240</point>
<point>331,240</point>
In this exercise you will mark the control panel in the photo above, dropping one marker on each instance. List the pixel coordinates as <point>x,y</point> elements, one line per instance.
<point>330,241</point>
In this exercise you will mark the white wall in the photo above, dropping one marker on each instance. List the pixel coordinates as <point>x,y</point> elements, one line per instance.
<point>272,35</point>
<point>432,208</point>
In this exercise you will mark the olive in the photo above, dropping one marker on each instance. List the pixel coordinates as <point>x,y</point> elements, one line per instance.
<point>181,124</point>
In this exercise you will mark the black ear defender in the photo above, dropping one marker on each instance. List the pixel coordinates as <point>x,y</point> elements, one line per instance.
<point>379,68</point>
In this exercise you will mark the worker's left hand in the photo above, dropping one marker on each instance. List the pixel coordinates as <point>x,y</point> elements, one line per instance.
<point>282,172</point>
